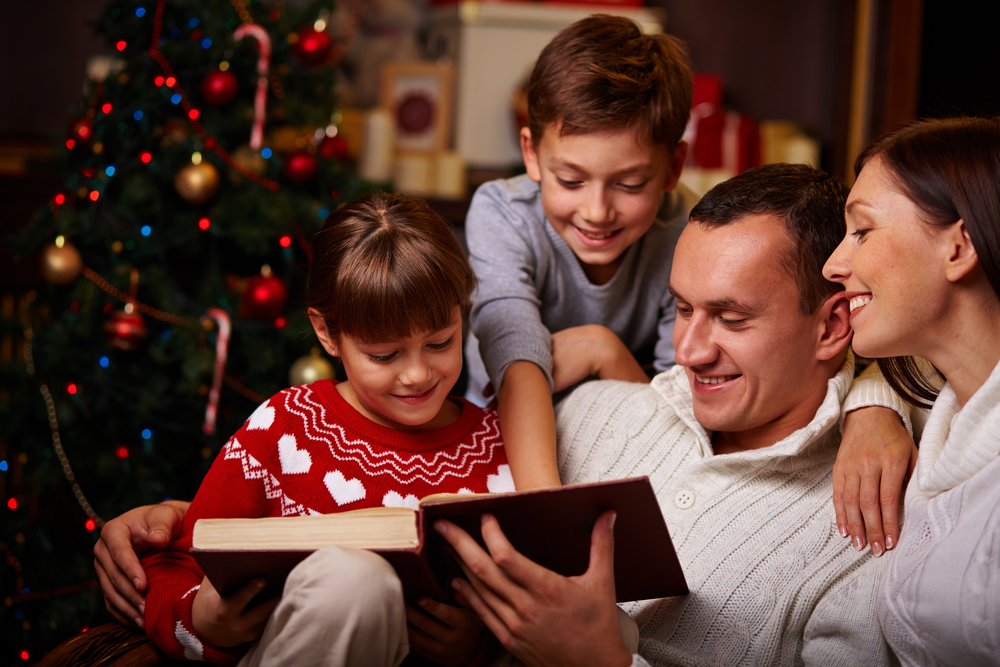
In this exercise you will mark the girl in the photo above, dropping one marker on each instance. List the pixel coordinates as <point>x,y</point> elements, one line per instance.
<point>388,294</point>
<point>921,265</point>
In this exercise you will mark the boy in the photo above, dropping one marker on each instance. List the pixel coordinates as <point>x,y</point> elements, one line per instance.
<point>580,247</point>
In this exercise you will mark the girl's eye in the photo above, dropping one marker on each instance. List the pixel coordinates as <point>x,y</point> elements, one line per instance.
<point>382,358</point>
<point>442,346</point>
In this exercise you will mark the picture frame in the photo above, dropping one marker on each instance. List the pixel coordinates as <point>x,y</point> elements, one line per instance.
<point>418,96</point>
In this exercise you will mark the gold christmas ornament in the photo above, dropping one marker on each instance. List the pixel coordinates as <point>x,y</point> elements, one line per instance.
<point>197,183</point>
<point>249,159</point>
<point>310,368</point>
<point>61,262</point>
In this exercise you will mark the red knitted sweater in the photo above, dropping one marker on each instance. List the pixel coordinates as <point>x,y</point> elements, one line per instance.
<point>308,451</point>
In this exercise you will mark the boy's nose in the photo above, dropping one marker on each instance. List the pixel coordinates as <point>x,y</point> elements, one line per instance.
<point>596,207</point>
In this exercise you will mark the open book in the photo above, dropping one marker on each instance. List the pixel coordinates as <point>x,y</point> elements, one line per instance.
<point>550,526</point>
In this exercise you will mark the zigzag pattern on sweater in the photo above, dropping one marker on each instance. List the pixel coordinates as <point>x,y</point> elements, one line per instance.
<point>252,469</point>
<point>432,468</point>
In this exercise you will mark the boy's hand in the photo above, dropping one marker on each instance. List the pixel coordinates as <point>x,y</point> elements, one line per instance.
<point>116,555</point>
<point>226,622</point>
<point>876,455</point>
<point>445,634</point>
<point>591,350</point>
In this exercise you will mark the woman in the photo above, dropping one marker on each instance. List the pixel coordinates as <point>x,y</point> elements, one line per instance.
<point>921,267</point>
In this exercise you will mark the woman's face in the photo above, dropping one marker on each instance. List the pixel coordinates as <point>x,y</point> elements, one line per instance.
<point>891,265</point>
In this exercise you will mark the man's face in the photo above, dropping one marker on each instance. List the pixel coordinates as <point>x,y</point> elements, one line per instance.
<point>600,191</point>
<point>749,353</point>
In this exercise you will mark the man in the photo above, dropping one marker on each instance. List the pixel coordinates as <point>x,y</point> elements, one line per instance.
<point>738,440</point>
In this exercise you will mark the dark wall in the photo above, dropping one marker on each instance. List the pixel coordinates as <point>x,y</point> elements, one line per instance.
<point>779,59</point>
<point>44,47</point>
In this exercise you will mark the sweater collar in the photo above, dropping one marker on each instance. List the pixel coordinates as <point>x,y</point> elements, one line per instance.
<point>674,388</point>
<point>955,445</point>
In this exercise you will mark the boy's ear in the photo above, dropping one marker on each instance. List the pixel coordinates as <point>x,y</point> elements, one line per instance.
<point>834,326</point>
<point>328,342</point>
<point>676,166</point>
<point>961,254</point>
<point>530,157</point>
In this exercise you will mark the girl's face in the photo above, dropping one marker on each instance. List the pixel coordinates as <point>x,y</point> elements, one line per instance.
<point>401,384</point>
<point>890,263</point>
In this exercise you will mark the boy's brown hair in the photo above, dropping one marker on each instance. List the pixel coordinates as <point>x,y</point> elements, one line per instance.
<point>602,73</point>
<point>385,267</point>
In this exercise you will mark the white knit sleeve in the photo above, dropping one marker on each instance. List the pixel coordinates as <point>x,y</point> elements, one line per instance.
<point>871,389</point>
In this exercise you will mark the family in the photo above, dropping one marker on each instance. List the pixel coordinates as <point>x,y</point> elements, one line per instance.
<point>622,327</point>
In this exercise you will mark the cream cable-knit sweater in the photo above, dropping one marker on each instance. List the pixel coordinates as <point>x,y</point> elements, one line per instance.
<point>772,581</point>
<point>940,599</point>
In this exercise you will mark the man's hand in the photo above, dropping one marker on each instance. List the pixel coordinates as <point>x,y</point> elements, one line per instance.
<point>876,456</point>
<point>226,622</point>
<point>591,350</point>
<point>123,540</point>
<point>541,617</point>
<point>445,634</point>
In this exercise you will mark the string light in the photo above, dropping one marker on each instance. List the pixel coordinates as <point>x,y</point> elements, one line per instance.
<point>94,195</point>
<point>146,156</point>
<point>285,241</point>
<point>204,223</point>
<point>60,198</point>
<point>170,81</point>
<point>159,80</point>
<point>121,45</point>
<point>12,503</point>
<point>109,170</point>
<point>122,452</point>
<point>70,143</point>
<point>137,115</point>
<point>71,389</point>
<point>90,524</point>
<point>266,153</point>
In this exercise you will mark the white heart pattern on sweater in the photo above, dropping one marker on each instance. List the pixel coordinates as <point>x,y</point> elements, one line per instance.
<point>393,499</point>
<point>343,490</point>
<point>294,461</point>
<point>502,482</point>
<point>262,418</point>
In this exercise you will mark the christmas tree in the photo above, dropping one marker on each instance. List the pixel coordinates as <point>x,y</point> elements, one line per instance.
<point>174,261</point>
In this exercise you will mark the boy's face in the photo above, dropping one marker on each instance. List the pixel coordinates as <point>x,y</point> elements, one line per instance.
<point>600,191</point>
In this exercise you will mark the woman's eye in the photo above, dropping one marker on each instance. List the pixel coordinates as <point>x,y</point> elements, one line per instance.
<point>859,233</point>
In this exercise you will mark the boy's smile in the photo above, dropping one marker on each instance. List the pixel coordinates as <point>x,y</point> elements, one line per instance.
<point>600,190</point>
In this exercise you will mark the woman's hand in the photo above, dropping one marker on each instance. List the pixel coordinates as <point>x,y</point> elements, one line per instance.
<point>876,455</point>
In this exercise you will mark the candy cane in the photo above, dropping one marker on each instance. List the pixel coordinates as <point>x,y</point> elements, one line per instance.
<point>263,65</point>
<point>221,351</point>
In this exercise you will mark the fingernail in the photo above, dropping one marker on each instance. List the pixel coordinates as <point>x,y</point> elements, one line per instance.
<point>858,546</point>
<point>889,542</point>
<point>877,549</point>
<point>142,608</point>
<point>484,518</point>
<point>440,527</point>
<point>612,519</point>
<point>456,584</point>
<point>136,582</point>
<point>423,602</point>
<point>843,530</point>
<point>138,621</point>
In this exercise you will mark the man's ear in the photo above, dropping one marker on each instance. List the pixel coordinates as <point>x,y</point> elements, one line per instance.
<point>834,326</point>
<point>961,255</point>
<point>676,166</point>
<point>530,156</point>
<point>328,341</point>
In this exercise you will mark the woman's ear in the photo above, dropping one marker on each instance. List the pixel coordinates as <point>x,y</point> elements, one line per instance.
<point>834,326</point>
<point>961,254</point>
<point>328,341</point>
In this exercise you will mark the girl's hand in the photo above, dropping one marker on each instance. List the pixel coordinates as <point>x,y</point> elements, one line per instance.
<point>226,622</point>
<point>442,633</point>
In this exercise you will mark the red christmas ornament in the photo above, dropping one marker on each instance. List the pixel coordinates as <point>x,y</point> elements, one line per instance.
<point>219,88</point>
<point>334,147</point>
<point>125,330</point>
<point>82,130</point>
<point>312,47</point>
<point>300,167</point>
<point>265,296</point>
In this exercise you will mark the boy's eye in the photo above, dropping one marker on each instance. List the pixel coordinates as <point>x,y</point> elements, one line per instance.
<point>567,184</point>
<point>633,187</point>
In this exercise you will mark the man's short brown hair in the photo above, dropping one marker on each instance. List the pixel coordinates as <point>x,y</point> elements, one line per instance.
<point>602,73</point>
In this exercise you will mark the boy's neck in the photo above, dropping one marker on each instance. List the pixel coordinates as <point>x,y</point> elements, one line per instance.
<point>600,274</point>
